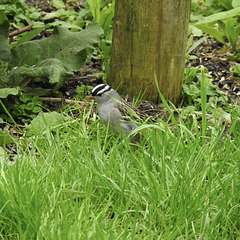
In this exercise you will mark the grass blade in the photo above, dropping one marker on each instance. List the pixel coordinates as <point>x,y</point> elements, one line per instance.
<point>203,104</point>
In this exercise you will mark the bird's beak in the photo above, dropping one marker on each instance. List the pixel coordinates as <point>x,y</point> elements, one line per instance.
<point>91,97</point>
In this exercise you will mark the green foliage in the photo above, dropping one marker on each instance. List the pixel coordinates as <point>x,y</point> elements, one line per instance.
<point>103,15</point>
<point>40,67</point>
<point>199,94</point>
<point>26,107</point>
<point>5,138</point>
<point>191,46</point>
<point>16,10</point>
<point>4,92</point>
<point>65,17</point>
<point>192,85</point>
<point>19,15</point>
<point>83,91</point>
<point>44,122</point>
<point>5,53</point>
<point>23,108</point>
<point>236,71</point>
<point>226,4</point>
<point>54,58</point>
<point>231,27</point>
<point>233,57</point>
<point>72,179</point>
<point>58,4</point>
<point>221,25</point>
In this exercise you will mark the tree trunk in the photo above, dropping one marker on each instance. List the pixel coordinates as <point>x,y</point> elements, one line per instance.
<point>149,36</point>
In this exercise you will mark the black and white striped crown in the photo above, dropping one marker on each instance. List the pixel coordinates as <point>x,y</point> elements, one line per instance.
<point>100,89</point>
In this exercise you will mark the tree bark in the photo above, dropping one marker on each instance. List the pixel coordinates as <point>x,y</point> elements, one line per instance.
<point>149,37</point>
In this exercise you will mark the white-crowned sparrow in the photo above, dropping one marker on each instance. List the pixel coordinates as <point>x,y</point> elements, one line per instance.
<point>113,109</point>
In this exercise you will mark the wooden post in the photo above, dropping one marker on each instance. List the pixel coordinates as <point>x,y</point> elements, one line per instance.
<point>149,36</point>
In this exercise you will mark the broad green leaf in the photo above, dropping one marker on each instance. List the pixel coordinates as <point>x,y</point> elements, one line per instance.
<point>58,4</point>
<point>63,45</point>
<point>219,16</point>
<point>52,69</point>
<point>218,35</point>
<point>235,3</point>
<point>54,58</point>
<point>226,3</point>
<point>5,53</point>
<point>5,138</point>
<point>43,122</point>
<point>27,36</point>
<point>95,6</point>
<point>195,45</point>
<point>106,17</point>
<point>4,73</point>
<point>231,31</point>
<point>4,92</point>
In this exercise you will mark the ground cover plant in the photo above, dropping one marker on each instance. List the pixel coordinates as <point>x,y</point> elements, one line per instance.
<point>66,176</point>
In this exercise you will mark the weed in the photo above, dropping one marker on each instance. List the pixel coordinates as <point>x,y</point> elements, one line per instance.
<point>223,24</point>
<point>83,91</point>
<point>22,109</point>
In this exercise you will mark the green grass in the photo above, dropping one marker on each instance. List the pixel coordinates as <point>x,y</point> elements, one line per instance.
<point>83,182</point>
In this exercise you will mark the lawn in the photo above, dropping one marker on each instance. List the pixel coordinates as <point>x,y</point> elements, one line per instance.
<point>80,181</point>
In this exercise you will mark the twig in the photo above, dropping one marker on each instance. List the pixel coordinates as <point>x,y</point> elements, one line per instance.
<point>219,58</point>
<point>214,58</point>
<point>19,31</point>
<point>69,101</point>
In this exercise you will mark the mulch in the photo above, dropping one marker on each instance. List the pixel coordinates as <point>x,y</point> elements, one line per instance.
<point>213,55</point>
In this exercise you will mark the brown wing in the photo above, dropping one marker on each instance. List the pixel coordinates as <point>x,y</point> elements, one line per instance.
<point>129,111</point>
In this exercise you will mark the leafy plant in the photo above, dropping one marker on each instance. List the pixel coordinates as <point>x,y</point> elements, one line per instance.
<point>83,91</point>
<point>231,28</point>
<point>236,71</point>
<point>191,46</point>
<point>226,4</point>
<point>51,60</point>
<point>193,90</point>
<point>19,15</point>
<point>221,25</point>
<point>103,15</point>
<point>18,12</point>
<point>44,122</point>
<point>22,108</point>
<point>40,67</point>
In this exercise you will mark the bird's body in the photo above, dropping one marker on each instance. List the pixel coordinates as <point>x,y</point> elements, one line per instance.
<point>112,109</point>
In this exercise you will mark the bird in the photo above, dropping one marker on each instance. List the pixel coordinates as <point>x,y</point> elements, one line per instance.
<point>114,110</point>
